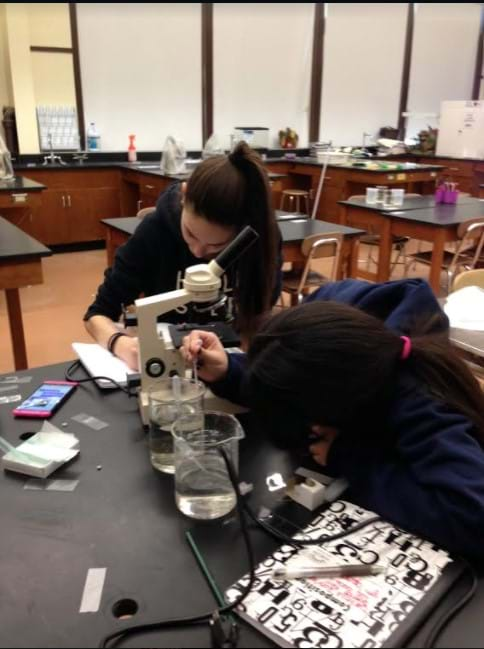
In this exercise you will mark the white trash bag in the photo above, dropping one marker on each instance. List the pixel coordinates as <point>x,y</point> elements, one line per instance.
<point>6,169</point>
<point>173,156</point>
<point>212,147</point>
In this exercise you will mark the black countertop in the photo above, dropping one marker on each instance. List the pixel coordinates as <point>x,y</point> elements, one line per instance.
<point>15,244</point>
<point>126,224</point>
<point>409,203</point>
<point>149,168</point>
<point>50,539</point>
<point>152,168</point>
<point>443,215</point>
<point>291,231</point>
<point>22,184</point>
<point>374,165</point>
<point>440,156</point>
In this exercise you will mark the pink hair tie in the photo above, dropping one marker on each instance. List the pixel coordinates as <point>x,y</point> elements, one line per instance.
<point>407,347</point>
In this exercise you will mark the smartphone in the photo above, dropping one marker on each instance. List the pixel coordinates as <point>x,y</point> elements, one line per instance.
<point>46,399</point>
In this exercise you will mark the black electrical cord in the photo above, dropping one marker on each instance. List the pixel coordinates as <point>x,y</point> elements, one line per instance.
<point>242,508</point>
<point>77,364</point>
<point>447,617</point>
<point>204,618</point>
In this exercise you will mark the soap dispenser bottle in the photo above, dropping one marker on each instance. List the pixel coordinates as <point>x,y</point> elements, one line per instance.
<point>131,149</point>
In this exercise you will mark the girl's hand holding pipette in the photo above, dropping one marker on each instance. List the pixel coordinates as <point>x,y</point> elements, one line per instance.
<point>208,351</point>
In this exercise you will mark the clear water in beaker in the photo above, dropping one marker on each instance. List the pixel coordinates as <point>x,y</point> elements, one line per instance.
<point>170,400</point>
<point>203,488</point>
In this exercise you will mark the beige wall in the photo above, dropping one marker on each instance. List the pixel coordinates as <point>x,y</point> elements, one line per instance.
<point>37,78</point>
<point>53,77</point>
<point>49,24</point>
<point>6,94</point>
<point>18,37</point>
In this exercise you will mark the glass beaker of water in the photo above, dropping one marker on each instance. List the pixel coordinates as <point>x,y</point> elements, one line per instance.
<point>387,197</point>
<point>169,400</point>
<point>380,194</point>
<point>203,488</point>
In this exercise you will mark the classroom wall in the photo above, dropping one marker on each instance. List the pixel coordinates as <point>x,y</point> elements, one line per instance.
<point>53,78</point>
<point>443,61</point>
<point>262,66</point>
<point>141,67</point>
<point>18,39</point>
<point>49,24</point>
<point>362,69</point>
<point>37,78</point>
<point>142,75</point>
<point>6,93</point>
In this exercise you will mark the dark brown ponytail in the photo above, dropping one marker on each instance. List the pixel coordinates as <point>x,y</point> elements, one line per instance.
<point>234,191</point>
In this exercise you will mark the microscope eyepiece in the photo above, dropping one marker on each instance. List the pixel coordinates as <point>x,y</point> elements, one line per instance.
<point>237,247</point>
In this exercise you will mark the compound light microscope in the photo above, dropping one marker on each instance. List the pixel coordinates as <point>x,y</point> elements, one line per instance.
<point>159,358</point>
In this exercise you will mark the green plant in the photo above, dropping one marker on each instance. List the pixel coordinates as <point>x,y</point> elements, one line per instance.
<point>426,140</point>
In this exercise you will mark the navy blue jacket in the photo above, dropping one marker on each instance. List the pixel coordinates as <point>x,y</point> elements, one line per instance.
<point>432,483</point>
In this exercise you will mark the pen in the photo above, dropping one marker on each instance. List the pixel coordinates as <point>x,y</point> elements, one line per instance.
<point>357,570</point>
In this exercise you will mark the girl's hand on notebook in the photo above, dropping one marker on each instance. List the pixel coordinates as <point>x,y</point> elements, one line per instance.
<point>320,449</point>
<point>127,349</point>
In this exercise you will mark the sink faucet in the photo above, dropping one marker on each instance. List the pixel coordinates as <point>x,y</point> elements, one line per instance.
<point>52,158</point>
<point>80,157</point>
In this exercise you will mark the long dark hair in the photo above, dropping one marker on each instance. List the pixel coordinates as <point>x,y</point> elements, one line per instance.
<point>234,191</point>
<point>328,363</point>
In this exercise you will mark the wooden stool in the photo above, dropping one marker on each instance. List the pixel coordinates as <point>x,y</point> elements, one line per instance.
<point>294,196</point>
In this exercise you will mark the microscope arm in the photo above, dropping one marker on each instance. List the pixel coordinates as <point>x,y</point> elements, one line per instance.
<point>158,357</point>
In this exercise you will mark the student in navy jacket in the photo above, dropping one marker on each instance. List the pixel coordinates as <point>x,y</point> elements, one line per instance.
<point>364,376</point>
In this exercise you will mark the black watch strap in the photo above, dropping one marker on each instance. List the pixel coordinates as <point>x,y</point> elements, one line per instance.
<point>112,340</point>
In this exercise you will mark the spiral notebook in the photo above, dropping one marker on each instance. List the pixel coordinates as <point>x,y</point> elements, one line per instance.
<point>380,611</point>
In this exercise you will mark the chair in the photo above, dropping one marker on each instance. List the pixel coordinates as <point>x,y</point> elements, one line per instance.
<point>453,245</point>
<point>469,252</point>
<point>145,211</point>
<point>469,278</point>
<point>295,196</point>
<point>316,246</point>
<point>373,240</point>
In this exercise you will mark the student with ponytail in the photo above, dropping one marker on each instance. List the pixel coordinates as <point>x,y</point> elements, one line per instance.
<point>194,221</point>
<point>364,378</point>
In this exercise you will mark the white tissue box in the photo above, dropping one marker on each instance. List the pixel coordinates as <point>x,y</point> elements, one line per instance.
<point>45,452</point>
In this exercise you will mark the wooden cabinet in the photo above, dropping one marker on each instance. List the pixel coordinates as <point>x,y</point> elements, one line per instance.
<point>50,222</point>
<point>460,172</point>
<point>74,203</point>
<point>468,174</point>
<point>139,190</point>
<point>19,209</point>
<point>342,182</point>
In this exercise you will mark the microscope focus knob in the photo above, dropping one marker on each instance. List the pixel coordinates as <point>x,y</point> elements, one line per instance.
<point>155,367</point>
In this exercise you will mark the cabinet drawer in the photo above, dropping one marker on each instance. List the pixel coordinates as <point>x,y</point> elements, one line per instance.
<point>18,199</point>
<point>465,185</point>
<point>456,167</point>
<point>149,191</point>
